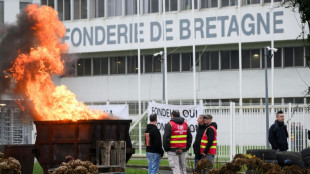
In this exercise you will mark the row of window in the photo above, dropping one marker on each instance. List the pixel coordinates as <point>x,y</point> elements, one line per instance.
<point>183,62</point>
<point>108,8</point>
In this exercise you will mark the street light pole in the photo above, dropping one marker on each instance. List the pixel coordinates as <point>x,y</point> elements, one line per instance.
<point>266,97</point>
<point>267,55</point>
<point>163,72</point>
<point>162,59</point>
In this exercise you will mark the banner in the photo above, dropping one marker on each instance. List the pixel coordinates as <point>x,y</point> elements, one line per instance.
<point>189,112</point>
<point>120,111</point>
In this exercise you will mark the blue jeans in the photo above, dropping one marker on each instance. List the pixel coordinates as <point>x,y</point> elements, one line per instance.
<point>153,162</point>
<point>197,158</point>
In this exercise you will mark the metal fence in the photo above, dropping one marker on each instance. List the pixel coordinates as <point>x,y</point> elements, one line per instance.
<point>15,126</point>
<point>242,128</point>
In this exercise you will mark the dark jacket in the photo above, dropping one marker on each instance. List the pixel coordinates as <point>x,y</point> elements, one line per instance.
<point>278,136</point>
<point>210,134</point>
<point>196,146</point>
<point>155,140</point>
<point>167,135</point>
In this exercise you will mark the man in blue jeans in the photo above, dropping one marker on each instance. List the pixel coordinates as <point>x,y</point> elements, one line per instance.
<point>154,150</point>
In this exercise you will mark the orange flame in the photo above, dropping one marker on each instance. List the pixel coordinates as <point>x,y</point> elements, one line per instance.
<point>32,71</point>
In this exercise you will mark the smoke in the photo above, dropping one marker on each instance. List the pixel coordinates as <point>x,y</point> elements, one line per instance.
<point>19,38</point>
<point>16,38</point>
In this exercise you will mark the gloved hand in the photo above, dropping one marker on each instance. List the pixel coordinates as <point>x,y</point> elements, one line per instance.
<point>179,151</point>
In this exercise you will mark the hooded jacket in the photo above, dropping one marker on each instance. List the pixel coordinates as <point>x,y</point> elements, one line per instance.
<point>278,136</point>
<point>167,135</point>
<point>155,140</point>
<point>200,130</point>
<point>210,134</point>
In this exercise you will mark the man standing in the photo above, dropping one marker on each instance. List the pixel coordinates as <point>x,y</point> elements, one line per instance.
<point>154,150</point>
<point>278,133</point>
<point>200,130</point>
<point>177,140</point>
<point>208,140</point>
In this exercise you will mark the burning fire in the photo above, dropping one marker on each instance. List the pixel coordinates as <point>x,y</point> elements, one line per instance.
<point>32,71</point>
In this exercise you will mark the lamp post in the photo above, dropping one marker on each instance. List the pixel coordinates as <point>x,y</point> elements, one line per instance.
<point>161,53</point>
<point>267,55</point>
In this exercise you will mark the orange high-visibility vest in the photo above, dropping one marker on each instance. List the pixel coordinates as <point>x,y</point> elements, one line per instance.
<point>178,135</point>
<point>204,141</point>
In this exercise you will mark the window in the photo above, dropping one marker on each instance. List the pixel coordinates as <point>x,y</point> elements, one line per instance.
<point>229,59</point>
<point>277,59</point>
<point>157,64</point>
<point>117,65</point>
<point>131,7</point>
<point>23,5</point>
<point>48,2</point>
<point>293,56</point>
<point>132,64</point>
<point>210,60</point>
<point>152,64</point>
<point>80,9</point>
<point>115,7</point>
<point>234,59</point>
<point>298,56</point>
<point>187,4</point>
<point>225,59</point>
<point>251,58</point>
<point>288,57</point>
<point>101,66</point>
<point>151,6</point>
<point>187,61</point>
<point>63,8</point>
<point>84,67</point>
<point>253,1</point>
<point>99,8</point>
<point>173,63</point>
<point>208,3</point>
<point>171,5</point>
<point>226,3</point>
<point>148,59</point>
<point>1,12</point>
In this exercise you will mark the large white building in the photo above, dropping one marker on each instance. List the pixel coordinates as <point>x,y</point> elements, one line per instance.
<point>106,37</point>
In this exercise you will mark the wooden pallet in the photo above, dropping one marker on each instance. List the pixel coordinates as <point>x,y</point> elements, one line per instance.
<point>111,156</point>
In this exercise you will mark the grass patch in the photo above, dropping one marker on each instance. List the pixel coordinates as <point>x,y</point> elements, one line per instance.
<point>144,162</point>
<point>134,171</point>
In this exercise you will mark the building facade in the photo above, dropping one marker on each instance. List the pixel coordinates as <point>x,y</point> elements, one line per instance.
<point>226,37</point>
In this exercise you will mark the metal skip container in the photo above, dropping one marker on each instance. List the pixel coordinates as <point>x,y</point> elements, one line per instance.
<point>57,139</point>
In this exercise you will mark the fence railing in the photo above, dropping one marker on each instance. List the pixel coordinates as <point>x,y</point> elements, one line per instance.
<point>244,127</point>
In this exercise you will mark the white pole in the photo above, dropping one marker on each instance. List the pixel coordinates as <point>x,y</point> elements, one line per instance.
<point>272,59</point>
<point>231,130</point>
<point>289,125</point>
<point>139,78</point>
<point>240,57</point>
<point>194,50</point>
<point>165,52</point>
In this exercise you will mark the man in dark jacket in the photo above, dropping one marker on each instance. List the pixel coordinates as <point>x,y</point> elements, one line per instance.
<point>278,133</point>
<point>208,150</point>
<point>177,140</point>
<point>154,150</point>
<point>199,132</point>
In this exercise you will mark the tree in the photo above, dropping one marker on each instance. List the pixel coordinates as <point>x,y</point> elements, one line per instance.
<point>303,7</point>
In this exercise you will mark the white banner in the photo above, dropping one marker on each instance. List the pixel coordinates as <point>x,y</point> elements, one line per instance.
<point>120,111</point>
<point>189,112</point>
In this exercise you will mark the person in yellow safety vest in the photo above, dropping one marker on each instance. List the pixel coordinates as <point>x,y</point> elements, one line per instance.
<point>177,140</point>
<point>208,140</point>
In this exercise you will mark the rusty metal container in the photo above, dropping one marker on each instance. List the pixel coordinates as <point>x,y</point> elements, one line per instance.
<point>57,139</point>
<point>21,152</point>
